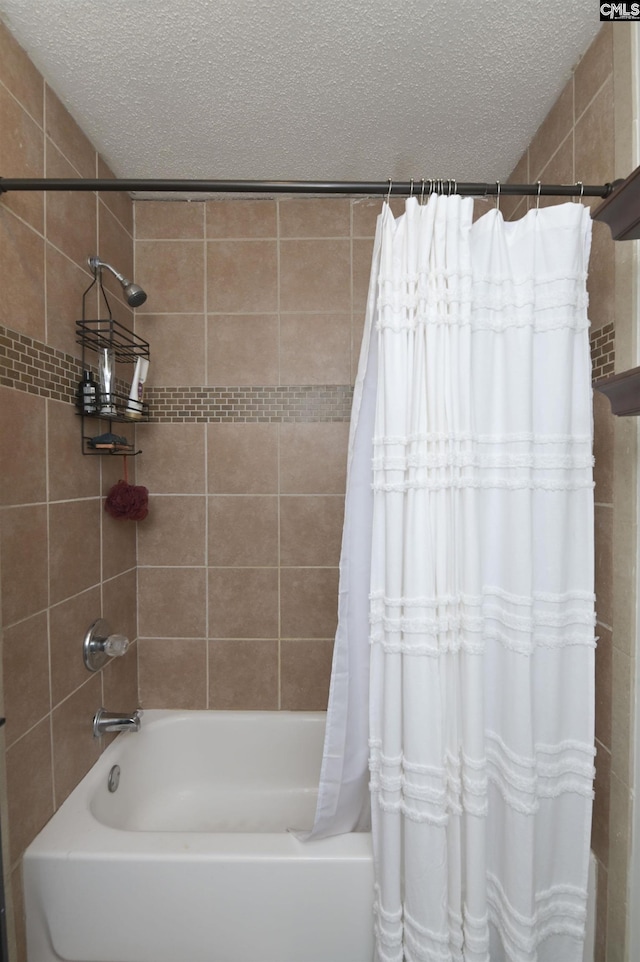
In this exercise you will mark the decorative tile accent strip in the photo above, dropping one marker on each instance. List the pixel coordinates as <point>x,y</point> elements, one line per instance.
<point>326,402</point>
<point>603,351</point>
<point>32,366</point>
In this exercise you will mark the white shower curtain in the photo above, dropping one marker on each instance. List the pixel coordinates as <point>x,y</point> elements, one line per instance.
<point>470,468</point>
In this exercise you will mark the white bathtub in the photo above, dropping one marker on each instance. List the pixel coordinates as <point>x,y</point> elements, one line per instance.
<point>190,859</point>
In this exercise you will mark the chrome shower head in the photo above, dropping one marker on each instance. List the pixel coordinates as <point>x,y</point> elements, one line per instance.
<point>133,292</point>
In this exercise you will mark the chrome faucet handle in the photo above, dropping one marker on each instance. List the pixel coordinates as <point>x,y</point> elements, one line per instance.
<point>99,645</point>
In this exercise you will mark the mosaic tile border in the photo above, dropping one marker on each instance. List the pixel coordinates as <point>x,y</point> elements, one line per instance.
<point>603,351</point>
<point>327,402</point>
<point>30,365</point>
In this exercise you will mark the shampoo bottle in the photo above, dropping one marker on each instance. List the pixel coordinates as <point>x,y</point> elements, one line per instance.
<point>134,404</point>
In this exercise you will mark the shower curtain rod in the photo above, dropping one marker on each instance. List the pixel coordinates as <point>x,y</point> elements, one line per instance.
<point>389,187</point>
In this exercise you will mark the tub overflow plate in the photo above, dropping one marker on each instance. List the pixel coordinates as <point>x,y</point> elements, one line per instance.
<point>114,778</point>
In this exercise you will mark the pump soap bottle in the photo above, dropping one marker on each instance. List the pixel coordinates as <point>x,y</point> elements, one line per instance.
<point>87,394</point>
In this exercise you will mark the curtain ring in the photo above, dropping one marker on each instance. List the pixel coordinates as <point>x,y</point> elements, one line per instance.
<point>538,199</point>
<point>430,186</point>
<point>497,195</point>
<point>411,188</point>
<point>581,186</point>
<point>389,191</point>
<point>422,192</point>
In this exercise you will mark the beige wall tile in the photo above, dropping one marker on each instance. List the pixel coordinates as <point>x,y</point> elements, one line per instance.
<point>243,675</point>
<point>173,458</point>
<point>173,673</point>
<point>118,544</point>
<point>242,277</point>
<point>177,348</point>
<point>174,533</point>
<point>75,749</point>
<point>243,603</point>
<point>67,136</point>
<point>22,465</point>
<point>622,675</point>
<point>604,563</point>
<point>315,275</point>
<point>601,806</point>
<point>305,675</point>
<point>23,562</point>
<point>242,349</point>
<point>242,458</point>
<point>600,947</point>
<point>66,282</point>
<point>313,458</point>
<point>74,547</point>
<point>559,170</point>
<point>308,602</point>
<point>71,474</point>
<point>172,274</point>
<point>515,207</point>
<point>361,273</point>
<point>17,894</point>
<point>243,531</point>
<point>555,128</point>
<point>25,668</point>
<point>115,247</point>
<point>169,220</point>
<point>29,787</point>
<point>603,448</point>
<point>120,682</point>
<point>71,215</point>
<point>21,155</point>
<point>594,68</point>
<point>118,202</point>
<point>119,605</point>
<point>604,690</point>
<point>313,217</point>
<point>315,349</point>
<point>69,622</point>
<point>172,602</point>
<point>22,259</point>
<point>311,530</point>
<point>241,219</point>
<point>595,139</point>
<point>364,214</point>
<point>20,76</point>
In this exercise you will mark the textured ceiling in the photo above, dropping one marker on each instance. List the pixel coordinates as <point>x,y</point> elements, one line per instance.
<point>306,89</point>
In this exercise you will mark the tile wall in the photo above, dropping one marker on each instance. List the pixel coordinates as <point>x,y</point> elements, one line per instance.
<point>254,318</point>
<point>63,561</point>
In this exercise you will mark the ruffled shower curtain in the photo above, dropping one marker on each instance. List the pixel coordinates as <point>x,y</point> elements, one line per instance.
<point>464,657</point>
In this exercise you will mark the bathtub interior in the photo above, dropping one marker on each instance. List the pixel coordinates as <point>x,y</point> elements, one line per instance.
<point>248,772</point>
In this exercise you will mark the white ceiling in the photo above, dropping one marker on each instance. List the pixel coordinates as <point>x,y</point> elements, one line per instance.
<point>306,89</point>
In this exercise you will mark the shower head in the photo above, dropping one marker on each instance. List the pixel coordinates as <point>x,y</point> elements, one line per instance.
<point>133,292</point>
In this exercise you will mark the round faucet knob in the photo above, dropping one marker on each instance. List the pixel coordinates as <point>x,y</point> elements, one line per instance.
<point>116,645</point>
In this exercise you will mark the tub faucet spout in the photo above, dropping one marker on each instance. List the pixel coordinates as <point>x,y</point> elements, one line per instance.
<point>111,721</point>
